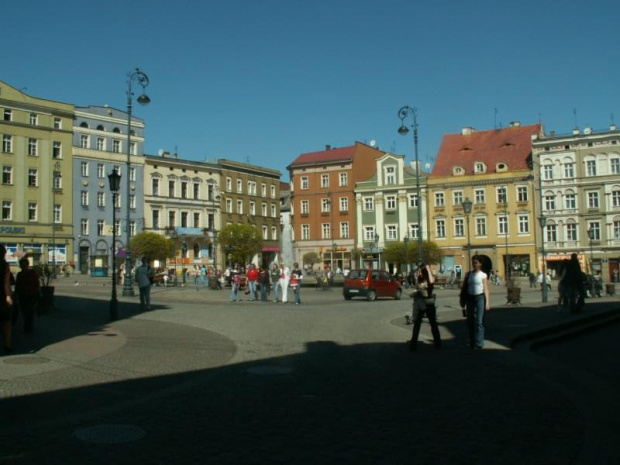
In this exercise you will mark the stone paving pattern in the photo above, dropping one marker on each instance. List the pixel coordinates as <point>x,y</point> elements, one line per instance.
<point>351,391</point>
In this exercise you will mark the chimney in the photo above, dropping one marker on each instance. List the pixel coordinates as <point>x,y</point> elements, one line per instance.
<point>612,127</point>
<point>165,154</point>
<point>328,147</point>
<point>467,131</point>
<point>575,131</point>
<point>515,124</point>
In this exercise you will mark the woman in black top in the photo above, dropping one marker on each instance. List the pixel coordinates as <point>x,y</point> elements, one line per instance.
<point>424,303</point>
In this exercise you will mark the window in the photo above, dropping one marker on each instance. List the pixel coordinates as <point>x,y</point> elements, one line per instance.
<point>552,233</point>
<point>229,205</point>
<point>273,210</point>
<point>211,221</point>
<point>479,167</point>
<point>132,228</point>
<point>57,216</point>
<point>117,227</point>
<point>304,182</point>
<point>595,227</point>
<point>263,190</point>
<point>570,201</point>
<point>172,219</point>
<point>100,171</point>
<point>615,166</point>
<point>8,114</point>
<point>305,231</point>
<point>459,227</point>
<point>391,232</point>
<point>569,170</point>
<point>228,184</point>
<point>440,228</point>
<point>34,119</point>
<point>548,172</point>
<point>84,141</point>
<point>502,226</point>
<point>414,231</point>
<point>116,146</point>
<point>84,227</point>
<point>33,145</point>
<point>263,209</point>
<point>240,206</point>
<point>155,186</point>
<point>324,180</point>
<point>326,205</point>
<point>57,123</point>
<point>251,187</point>
<point>252,208</point>
<point>390,175</point>
<point>84,198</point>
<point>481,226</point>
<point>155,219</point>
<point>32,211</point>
<point>56,149</point>
<point>7,175</point>
<point>549,202</point>
<point>413,201</point>
<point>7,210</point>
<point>118,202</point>
<point>593,200</point>
<point>344,204</point>
<point>7,143</point>
<point>457,198</point>
<point>343,179</point>
<point>100,227</point>
<point>273,191</point>
<point>369,204</point>
<point>171,188</point>
<point>615,199</point>
<point>57,180</point>
<point>183,189</point>
<point>239,186</point>
<point>274,233</point>
<point>571,231</point>
<point>440,200</point>
<point>522,195</point>
<point>33,180</point>
<point>101,199</point>
<point>479,196</point>
<point>344,230</point>
<point>305,207</point>
<point>84,168</point>
<point>502,194</point>
<point>591,168</point>
<point>132,201</point>
<point>132,174</point>
<point>390,202</point>
<point>369,233</point>
<point>133,148</point>
<point>100,143</point>
<point>184,218</point>
<point>265,233</point>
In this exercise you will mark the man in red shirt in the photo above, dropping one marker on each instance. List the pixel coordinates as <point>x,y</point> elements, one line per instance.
<point>252,280</point>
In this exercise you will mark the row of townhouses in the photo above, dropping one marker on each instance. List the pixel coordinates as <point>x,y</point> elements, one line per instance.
<point>513,194</point>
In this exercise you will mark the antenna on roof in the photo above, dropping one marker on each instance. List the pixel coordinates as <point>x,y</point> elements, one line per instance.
<point>612,118</point>
<point>575,116</point>
<point>495,119</point>
<point>539,118</point>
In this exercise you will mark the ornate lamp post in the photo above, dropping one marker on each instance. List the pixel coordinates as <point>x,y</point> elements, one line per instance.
<point>114,180</point>
<point>545,291</point>
<point>55,187</point>
<point>591,237</point>
<point>174,241</point>
<point>183,253</point>
<point>214,198</point>
<point>143,99</point>
<point>467,204</point>
<point>403,130</point>
<point>377,250</point>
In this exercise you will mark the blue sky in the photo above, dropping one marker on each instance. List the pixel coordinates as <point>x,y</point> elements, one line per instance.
<point>268,80</point>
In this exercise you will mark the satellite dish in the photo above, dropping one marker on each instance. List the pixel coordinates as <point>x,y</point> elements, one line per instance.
<point>427,166</point>
<point>160,152</point>
<point>373,143</point>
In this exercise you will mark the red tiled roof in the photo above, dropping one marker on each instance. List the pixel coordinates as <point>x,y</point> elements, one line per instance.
<point>510,145</point>
<point>313,158</point>
<point>285,186</point>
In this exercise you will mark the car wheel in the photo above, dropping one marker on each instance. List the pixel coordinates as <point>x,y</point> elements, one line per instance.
<point>372,295</point>
<point>347,296</point>
<point>398,294</point>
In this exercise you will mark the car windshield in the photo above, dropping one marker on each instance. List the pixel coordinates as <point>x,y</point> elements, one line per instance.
<point>356,274</point>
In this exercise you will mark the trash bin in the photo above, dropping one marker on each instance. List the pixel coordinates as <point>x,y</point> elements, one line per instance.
<point>514,295</point>
<point>610,289</point>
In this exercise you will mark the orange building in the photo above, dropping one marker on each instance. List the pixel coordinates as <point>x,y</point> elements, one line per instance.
<point>322,201</point>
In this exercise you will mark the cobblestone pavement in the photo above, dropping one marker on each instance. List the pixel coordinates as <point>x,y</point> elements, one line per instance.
<point>200,380</point>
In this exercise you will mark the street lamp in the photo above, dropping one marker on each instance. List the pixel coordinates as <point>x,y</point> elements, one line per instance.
<point>214,198</point>
<point>55,186</point>
<point>114,179</point>
<point>403,130</point>
<point>183,253</point>
<point>467,204</point>
<point>174,241</point>
<point>406,241</point>
<point>543,222</point>
<point>591,237</point>
<point>377,250</point>
<point>143,99</point>
<point>506,237</point>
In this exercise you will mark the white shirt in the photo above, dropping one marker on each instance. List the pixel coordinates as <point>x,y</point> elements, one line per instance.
<point>475,284</point>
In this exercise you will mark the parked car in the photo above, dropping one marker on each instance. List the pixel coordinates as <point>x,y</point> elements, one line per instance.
<point>371,284</point>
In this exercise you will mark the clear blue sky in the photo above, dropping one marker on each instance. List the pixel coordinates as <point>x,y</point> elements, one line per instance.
<point>267,80</point>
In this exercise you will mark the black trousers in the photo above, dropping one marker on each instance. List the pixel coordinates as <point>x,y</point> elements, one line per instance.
<point>419,310</point>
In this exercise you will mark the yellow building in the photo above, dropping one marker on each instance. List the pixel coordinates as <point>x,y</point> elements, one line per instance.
<point>492,169</point>
<point>36,158</point>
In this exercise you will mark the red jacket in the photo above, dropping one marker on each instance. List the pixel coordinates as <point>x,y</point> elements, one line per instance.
<point>253,274</point>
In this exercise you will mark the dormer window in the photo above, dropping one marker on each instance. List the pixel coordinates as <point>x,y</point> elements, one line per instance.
<point>458,171</point>
<point>501,167</point>
<point>479,167</point>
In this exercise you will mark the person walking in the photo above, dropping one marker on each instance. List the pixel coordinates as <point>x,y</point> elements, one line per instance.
<point>144,274</point>
<point>263,280</point>
<point>252,281</point>
<point>285,279</point>
<point>6,300</point>
<point>235,285</point>
<point>274,276</point>
<point>296,277</point>
<point>27,290</point>
<point>475,295</point>
<point>424,304</point>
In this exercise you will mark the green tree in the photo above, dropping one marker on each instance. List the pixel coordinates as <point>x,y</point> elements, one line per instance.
<point>241,241</point>
<point>396,252</point>
<point>356,255</point>
<point>431,253</point>
<point>310,258</point>
<point>151,245</point>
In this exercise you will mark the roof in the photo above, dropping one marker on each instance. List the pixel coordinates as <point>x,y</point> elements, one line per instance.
<point>285,186</point>
<point>511,145</point>
<point>325,156</point>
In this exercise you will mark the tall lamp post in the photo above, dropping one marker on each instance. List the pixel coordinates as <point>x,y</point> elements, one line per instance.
<point>214,198</point>
<point>183,253</point>
<point>174,241</point>
<point>406,241</point>
<point>545,291</point>
<point>591,237</point>
<point>143,99</point>
<point>506,237</point>
<point>377,250</point>
<point>403,130</point>
<point>55,187</point>
<point>467,204</point>
<point>114,180</point>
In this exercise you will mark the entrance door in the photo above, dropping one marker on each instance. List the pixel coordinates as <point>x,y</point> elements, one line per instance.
<point>84,260</point>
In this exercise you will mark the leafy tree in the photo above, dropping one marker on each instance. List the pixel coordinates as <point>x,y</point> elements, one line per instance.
<point>151,245</point>
<point>356,255</point>
<point>431,253</point>
<point>241,241</point>
<point>310,258</point>
<point>396,252</point>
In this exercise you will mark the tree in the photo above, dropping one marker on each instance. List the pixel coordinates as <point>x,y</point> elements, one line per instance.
<point>431,253</point>
<point>310,258</point>
<point>356,255</point>
<point>151,245</point>
<point>241,241</point>
<point>396,252</point>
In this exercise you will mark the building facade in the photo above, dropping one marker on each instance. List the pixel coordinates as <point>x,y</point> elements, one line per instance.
<point>492,169</point>
<point>578,194</point>
<point>99,147</point>
<point>36,157</point>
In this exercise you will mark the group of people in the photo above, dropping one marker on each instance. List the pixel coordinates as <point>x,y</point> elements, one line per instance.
<point>474,299</point>
<point>267,281</point>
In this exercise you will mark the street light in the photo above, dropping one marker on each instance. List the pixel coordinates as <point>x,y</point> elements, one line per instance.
<point>184,253</point>
<point>114,179</point>
<point>406,241</point>
<point>467,204</point>
<point>403,130</point>
<point>377,250</point>
<point>591,237</point>
<point>506,237</point>
<point>214,198</point>
<point>55,186</point>
<point>543,222</point>
<point>143,99</point>
<point>174,241</point>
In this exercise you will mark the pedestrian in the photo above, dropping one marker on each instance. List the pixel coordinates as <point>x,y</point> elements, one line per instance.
<point>296,277</point>
<point>263,280</point>
<point>252,282</point>
<point>572,282</point>
<point>424,304</point>
<point>6,300</point>
<point>475,298</point>
<point>203,275</point>
<point>144,276</point>
<point>27,289</point>
<point>532,278</point>
<point>235,284</point>
<point>274,276</point>
<point>285,279</point>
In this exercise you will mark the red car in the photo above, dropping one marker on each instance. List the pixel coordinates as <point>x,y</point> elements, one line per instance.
<point>371,284</point>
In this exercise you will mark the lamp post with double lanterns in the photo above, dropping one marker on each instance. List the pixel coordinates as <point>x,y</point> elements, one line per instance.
<point>545,290</point>
<point>143,99</point>
<point>591,237</point>
<point>404,130</point>
<point>467,204</point>
<point>114,180</point>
